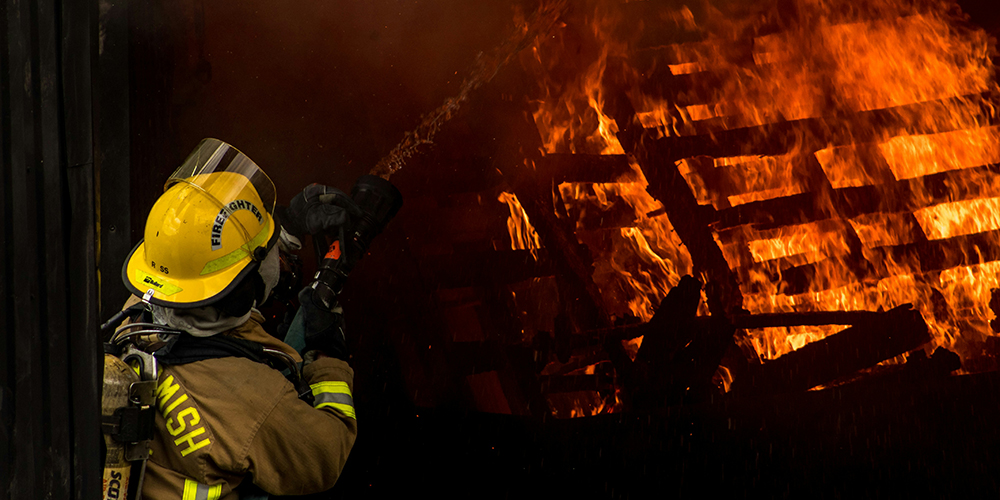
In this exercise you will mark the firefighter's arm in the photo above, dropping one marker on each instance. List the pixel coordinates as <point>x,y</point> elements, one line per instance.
<point>301,449</point>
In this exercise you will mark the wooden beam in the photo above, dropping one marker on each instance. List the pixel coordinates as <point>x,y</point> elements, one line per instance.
<point>691,220</point>
<point>572,264</point>
<point>582,167</point>
<point>916,258</point>
<point>813,134</point>
<point>885,336</point>
<point>893,197</point>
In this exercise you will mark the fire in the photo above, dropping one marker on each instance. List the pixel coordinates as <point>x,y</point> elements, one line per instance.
<point>638,258</point>
<point>884,230</point>
<point>805,241</point>
<point>958,218</point>
<point>911,156</point>
<point>636,264</point>
<point>576,104</point>
<point>883,114</point>
<point>522,233</point>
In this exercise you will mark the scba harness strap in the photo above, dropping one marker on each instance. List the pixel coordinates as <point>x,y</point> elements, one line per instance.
<point>189,349</point>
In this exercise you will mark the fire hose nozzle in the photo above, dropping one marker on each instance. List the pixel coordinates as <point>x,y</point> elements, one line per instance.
<point>378,201</point>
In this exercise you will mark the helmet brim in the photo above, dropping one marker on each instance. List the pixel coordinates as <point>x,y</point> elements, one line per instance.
<point>139,277</point>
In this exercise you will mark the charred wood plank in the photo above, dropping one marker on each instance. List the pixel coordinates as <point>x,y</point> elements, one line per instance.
<point>574,266</point>
<point>572,263</point>
<point>813,277</point>
<point>938,255</point>
<point>592,356</point>
<point>667,331</point>
<point>792,210</point>
<point>892,333</point>
<point>679,354</point>
<point>846,203</point>
<point>814,134</point>
<point>690,220</point>
<point>814,318</point>
<point>681,89</point>
<point>564,167</point>
<point>748,321</point>
<point>918,258</point>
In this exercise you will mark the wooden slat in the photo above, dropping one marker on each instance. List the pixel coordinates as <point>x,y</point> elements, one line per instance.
<point>893,333</point>
<point>803,318</point>
<point>664,21</point>
<point>571,261</point>
<point>582,167</point>
<point>666,184</point>
<point>814,134</point>
<point>917,258</point>
<point>947,253</point>
<point>895,197</point>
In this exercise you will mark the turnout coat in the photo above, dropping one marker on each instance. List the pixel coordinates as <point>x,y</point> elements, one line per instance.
<point>225,422</point>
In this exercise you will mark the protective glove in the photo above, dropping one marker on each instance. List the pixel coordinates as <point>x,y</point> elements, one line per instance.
<point>323,328</point>
<point>318,209</point>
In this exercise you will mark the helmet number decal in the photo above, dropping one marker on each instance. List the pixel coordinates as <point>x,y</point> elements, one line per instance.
<point>220,220</point>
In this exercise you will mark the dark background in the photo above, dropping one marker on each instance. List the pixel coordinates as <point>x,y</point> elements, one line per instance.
<point>101,101</point>
<point>318,92</point>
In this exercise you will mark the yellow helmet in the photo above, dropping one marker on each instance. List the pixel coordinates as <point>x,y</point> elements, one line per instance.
<point>209,229</point>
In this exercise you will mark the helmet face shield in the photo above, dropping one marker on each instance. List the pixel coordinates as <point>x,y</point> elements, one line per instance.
<point>213,155</point>
<point>206,230</point>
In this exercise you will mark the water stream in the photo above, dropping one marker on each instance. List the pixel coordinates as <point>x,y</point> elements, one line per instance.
<point>485,67</point>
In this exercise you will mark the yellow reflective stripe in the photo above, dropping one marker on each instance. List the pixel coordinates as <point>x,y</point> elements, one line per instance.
<point>215,492</point>
<point>347,410</point>
<point>157,283</point>
<point>334,394</point>
<point>238,254</point>
<point>193,490</point>
<point>334,387</point>
<point>190,490</point>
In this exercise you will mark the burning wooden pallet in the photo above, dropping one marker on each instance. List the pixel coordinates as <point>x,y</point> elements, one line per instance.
<point>863,195</point>
<point>812,170</point>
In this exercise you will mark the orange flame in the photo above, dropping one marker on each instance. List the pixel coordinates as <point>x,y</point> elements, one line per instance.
<point>636,265</point>
<point>522,233</point>
<point>912,156</point>
<point>895,99</point>
<point>636,260</point>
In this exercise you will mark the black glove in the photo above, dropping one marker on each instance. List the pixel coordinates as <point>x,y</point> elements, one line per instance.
<point>323,328</point>
<point>318,209</point>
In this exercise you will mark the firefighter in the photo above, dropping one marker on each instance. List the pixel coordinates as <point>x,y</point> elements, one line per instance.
<point>228,424</point>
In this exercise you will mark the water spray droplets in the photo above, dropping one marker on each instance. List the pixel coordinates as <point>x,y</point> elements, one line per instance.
<point>485,67</point>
